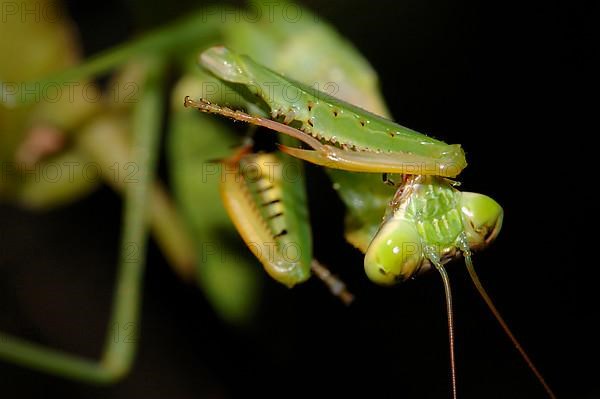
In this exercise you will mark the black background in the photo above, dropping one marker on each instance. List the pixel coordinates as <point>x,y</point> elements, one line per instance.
<point>499,77</point>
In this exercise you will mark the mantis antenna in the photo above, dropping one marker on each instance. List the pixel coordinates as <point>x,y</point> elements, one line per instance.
<point>492,307</point>
<point>448,292</point>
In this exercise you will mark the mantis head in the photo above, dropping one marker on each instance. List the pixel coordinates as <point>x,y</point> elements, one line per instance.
<point>433,229</point>
<point>401,247</point>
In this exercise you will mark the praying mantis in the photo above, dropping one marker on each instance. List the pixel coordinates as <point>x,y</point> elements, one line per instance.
<point>364,194</point>
<point>427,223</point>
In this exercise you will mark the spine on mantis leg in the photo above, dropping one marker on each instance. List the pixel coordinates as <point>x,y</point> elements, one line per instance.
<point>384,146</point>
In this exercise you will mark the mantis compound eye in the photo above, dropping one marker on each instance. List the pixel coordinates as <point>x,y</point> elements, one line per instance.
<point>483,219</point>
<point>395,253</point>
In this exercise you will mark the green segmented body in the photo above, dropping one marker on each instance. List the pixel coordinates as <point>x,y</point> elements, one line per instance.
<point>268,206</point>
<point>279,206</point>
<point>325,117</point>
<point>264,192</point>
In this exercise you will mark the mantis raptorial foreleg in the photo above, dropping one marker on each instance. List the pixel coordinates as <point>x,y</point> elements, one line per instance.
<point>265,198</point>
<point>335,157</point>
<point>118,354</point>
<point>350,138</point>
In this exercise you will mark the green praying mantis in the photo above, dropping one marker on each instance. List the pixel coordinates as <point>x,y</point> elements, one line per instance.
<point>427,223</point>
<point>413,221</point>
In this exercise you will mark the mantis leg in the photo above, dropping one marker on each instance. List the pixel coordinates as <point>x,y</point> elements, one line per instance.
<point>336,286</point>
<point>334,157</point>
<point>117,355</point>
